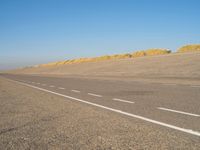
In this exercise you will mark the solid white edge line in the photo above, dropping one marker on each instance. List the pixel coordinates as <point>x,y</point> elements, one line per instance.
<point>177,111</point>
<point>92,94</point>
<point>189,131</point>
<point>121,100</point>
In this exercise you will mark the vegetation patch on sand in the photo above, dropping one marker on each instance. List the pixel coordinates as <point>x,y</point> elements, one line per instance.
<point>151,52</point>
<point>148,52</point>
<point>140,53</point>
<point>190,48</point>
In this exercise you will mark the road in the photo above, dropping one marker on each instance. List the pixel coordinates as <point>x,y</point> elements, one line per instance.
<point>169,108</point>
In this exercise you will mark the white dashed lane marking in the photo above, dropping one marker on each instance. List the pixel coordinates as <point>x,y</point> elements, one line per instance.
<point>61,88</point>
<point>51,86</point>
<point>92,94</point>
<point>76,91</point>
<point>195,86</point>
<point>170,84</point>
<point>121,100</point>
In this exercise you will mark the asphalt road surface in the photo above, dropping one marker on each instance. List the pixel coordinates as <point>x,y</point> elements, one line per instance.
<point>169,109</point>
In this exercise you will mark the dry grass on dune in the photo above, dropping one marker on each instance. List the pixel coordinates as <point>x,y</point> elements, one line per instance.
<point>190,48</point>
<point>140,53</point>
<point>109,57</point>
<point>151,52</point>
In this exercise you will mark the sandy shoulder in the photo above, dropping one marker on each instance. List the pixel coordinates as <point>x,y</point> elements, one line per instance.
<point>180,68</point>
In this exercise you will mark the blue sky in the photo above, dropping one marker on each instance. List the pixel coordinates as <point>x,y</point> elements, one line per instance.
<point>41,31</point>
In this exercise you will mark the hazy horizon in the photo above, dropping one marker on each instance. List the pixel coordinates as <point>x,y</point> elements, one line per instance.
<point>36,32</point>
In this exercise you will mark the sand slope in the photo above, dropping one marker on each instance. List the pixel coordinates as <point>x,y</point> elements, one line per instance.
<point>171,66</point>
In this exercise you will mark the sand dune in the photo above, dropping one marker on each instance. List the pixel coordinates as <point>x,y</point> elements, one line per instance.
<point>177,66</point>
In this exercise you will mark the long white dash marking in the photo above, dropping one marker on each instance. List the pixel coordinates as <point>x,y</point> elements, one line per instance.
<point>189,131</point>
<point>92,94</point>
<point>76,91</point>
<point>43,84</point>
<point>180,112</point>
<point>195,86</point>
<point>170,84</point>
<point>61,88</point>
<point>38,83</point>
<point>122,100</point>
